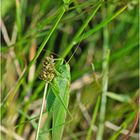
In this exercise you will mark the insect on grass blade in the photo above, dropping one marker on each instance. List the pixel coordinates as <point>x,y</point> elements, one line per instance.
<point>59,112</point>
<point>58,76</point>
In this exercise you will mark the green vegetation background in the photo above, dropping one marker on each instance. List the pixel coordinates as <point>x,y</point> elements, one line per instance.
<point>101,40</point>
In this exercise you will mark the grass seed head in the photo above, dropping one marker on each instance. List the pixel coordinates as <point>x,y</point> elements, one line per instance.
<point>48,69</point>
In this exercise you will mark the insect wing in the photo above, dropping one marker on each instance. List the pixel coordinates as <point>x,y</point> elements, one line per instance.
<point>58,85</point>
<point>59,112</point>
<point>50,99</point>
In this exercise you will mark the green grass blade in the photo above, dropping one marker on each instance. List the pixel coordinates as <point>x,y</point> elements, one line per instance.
<point>123,126</point>
<point>105,71</point>
<point>118,97</point>
<point>32,121</point>
<point>117,133</point>
<point>21,79</point>
<point>80,31</point>
<point>101,25</point>
<point>19,17</point>
<point>94,116</point>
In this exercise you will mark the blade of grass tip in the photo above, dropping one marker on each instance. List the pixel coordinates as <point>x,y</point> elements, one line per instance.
<point>93,118</point>
<point>105,65</point>
<point>73,42</point>
<point>101,25</point>
<point>21,79</point>
<point>41,111</point>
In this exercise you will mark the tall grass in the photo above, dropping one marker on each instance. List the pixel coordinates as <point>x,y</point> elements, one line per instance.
<point>99,104</point>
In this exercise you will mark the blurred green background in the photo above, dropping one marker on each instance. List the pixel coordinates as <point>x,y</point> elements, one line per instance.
<point>107,40</point>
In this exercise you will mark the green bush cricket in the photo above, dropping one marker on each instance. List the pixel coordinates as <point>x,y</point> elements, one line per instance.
<point>58,77</point>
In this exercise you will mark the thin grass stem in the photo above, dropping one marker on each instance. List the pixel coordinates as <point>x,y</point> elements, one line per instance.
<point>41,111</point>
<point>105,65</point>
<point>94,116</point>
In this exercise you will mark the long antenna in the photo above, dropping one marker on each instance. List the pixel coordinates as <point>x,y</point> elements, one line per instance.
<point>73,52</point>
<point>76,49</point>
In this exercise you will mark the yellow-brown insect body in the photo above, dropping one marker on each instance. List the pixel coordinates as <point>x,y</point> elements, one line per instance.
<point>48,69</point>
